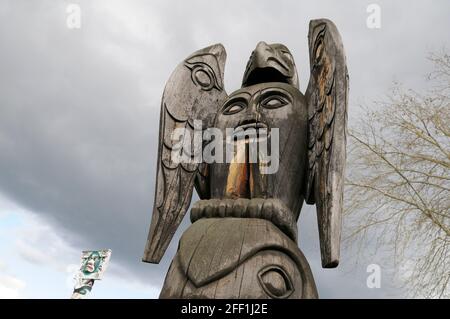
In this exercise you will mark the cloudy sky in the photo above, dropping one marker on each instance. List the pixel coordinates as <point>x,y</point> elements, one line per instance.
<point>79,111</point>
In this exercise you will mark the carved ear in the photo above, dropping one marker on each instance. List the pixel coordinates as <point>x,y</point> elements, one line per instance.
<point>327,98</point>
<point>193,92</point>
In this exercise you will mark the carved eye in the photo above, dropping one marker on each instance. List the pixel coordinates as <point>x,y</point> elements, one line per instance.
<point>233,107</point>
<point>203,76</point>
<point>288,56</point>
<point>274,102</point>
<point>275,282</point>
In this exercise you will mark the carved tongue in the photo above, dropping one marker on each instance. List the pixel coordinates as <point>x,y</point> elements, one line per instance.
<point>244,177</point>
<point>238,173</point>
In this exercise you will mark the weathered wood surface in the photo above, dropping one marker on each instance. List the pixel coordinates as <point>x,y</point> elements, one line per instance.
<point>243,240</point>
<point>238,258</point>
<point>327,97</point>
<point>194,92</point>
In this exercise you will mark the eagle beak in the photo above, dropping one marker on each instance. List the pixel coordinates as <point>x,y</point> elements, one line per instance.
<point>270,63</point>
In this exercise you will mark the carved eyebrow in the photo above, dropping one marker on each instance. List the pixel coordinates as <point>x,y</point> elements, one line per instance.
<point>243,95</point>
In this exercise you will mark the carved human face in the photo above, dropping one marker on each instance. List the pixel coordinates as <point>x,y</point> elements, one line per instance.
<point>264,106</point>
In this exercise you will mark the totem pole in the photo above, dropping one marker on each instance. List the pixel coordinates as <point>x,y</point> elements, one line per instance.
<point>243,239</point>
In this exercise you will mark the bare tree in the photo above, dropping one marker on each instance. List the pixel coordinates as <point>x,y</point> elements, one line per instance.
<point>398,182</point>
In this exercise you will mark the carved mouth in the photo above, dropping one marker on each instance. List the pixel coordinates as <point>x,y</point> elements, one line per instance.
<point>251,131</point>
<point>251,124</point>
<point>265,75</point>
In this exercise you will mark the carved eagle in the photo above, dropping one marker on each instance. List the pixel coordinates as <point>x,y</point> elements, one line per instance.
<point>195,91</point>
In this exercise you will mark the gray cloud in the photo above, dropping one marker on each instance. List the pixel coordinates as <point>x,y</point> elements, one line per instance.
<point>79,109</point>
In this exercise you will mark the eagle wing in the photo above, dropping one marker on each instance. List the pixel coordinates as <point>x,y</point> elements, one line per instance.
<point>327,96</point>
<point>191,99</point>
